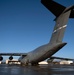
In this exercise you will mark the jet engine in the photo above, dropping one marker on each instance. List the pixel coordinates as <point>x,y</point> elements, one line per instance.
<point>10,58</point>
<point>1,58</point>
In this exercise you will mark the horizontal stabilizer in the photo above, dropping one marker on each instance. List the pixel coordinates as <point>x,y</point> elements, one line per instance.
<point>56,8</point>
<point>72,11</point>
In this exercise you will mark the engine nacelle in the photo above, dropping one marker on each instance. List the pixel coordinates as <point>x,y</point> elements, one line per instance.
<point>10,58</point>
<point>1,58</point>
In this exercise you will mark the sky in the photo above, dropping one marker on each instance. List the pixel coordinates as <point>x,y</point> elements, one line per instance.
<point>27,24</point>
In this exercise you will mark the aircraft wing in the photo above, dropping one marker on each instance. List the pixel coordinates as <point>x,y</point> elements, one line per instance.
<point>13,54</point>
<point>53,57</point>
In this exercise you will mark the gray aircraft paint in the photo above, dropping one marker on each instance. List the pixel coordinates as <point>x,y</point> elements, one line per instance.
<point>55,43</point>
<point>43,52</point>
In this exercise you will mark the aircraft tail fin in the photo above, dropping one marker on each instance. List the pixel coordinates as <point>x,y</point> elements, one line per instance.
<point>62,15</point>
<point>59,29</point>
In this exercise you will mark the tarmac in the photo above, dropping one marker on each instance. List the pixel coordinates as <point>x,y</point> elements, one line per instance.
<point>37,70</point>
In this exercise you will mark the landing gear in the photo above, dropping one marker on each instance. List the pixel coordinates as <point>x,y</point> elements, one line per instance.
<point>34,64</point>
<point>29,64</point>
<point>24,64</point>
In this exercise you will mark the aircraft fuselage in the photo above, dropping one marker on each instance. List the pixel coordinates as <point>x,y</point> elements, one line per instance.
<point>41,53</point>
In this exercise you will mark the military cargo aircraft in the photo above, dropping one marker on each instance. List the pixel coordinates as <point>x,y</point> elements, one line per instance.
<point>43,52</point>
